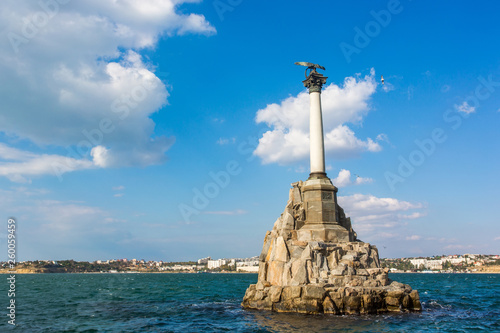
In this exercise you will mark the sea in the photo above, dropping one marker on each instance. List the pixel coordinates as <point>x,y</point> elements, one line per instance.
<point>211,303</point>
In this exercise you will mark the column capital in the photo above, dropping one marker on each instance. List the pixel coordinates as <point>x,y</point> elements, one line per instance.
<point>314,82</point>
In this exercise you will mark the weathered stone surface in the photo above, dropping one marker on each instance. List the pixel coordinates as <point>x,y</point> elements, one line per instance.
<point>259,294</point>
<point>352,304</point>
<point>368,304</point>
<point>275,276</point>
<point>322,268</point>
<point>275,293</point>
<point>329,306</point>
<point>308,306</point>
<point>392,303</point>
<point>415,300</point>
<point>313,292</point>
<point>292,292</point>
<point>299,273</point>
<point>287,274</point>
<point>281,250</point>
<point>288,221</point>
<point>262,271</point>
<point>270,250</point>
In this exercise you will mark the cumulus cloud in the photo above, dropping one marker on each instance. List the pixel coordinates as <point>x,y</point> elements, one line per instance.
<point>465,108</point>
<point>71,75</point>
<point>369,212</point>
<point>288,140</point>
<point>344,179</point>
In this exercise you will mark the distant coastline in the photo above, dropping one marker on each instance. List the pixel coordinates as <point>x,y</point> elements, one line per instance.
<point>467,264</point>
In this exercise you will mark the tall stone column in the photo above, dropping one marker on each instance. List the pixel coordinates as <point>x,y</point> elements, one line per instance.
<point>314,83</point>
<point>318,192</point>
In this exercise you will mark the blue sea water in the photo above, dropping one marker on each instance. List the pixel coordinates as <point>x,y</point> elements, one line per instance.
<point>211,303</point>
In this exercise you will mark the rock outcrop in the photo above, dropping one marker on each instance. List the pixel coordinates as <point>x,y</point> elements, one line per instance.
<point>308,266</point>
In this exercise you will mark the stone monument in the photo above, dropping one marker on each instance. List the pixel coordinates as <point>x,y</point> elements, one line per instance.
<point>312,261</point>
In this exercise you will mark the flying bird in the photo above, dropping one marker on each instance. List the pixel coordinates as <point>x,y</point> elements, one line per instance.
<point>382,79</point>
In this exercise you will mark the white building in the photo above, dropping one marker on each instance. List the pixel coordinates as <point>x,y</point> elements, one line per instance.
<point>203,261</point>
<point>434,264</point>
<point>418,262</point>
<point>211,264</point>
<point>249,269</point>
<point>250,265</point>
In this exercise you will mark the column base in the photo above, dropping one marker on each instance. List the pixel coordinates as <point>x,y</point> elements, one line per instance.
<point>317,175</point>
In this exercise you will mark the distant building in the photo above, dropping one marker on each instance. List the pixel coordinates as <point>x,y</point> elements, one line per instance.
<point>212,264</point>
<point>418,262</point>
<point>204,261</point>
<point>250,265</point>
<point>249,269</point>
<point>434,264</point>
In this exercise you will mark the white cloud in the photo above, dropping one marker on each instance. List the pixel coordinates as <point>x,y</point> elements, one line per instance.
<point>17,165</point>
<point>288,140</point>
<point>344,179</point>
<point>413,237</point>
<point>118,188</point>
<point>497,238</point>
<point>370,213</point>
<point>77,79</point>
<point>465,108</point>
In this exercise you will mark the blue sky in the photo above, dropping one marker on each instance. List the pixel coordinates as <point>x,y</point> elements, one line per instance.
<point>171,130</point>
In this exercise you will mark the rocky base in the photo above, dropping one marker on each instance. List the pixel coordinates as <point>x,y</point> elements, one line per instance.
<point>313,262</point>
<point>311,299</point>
